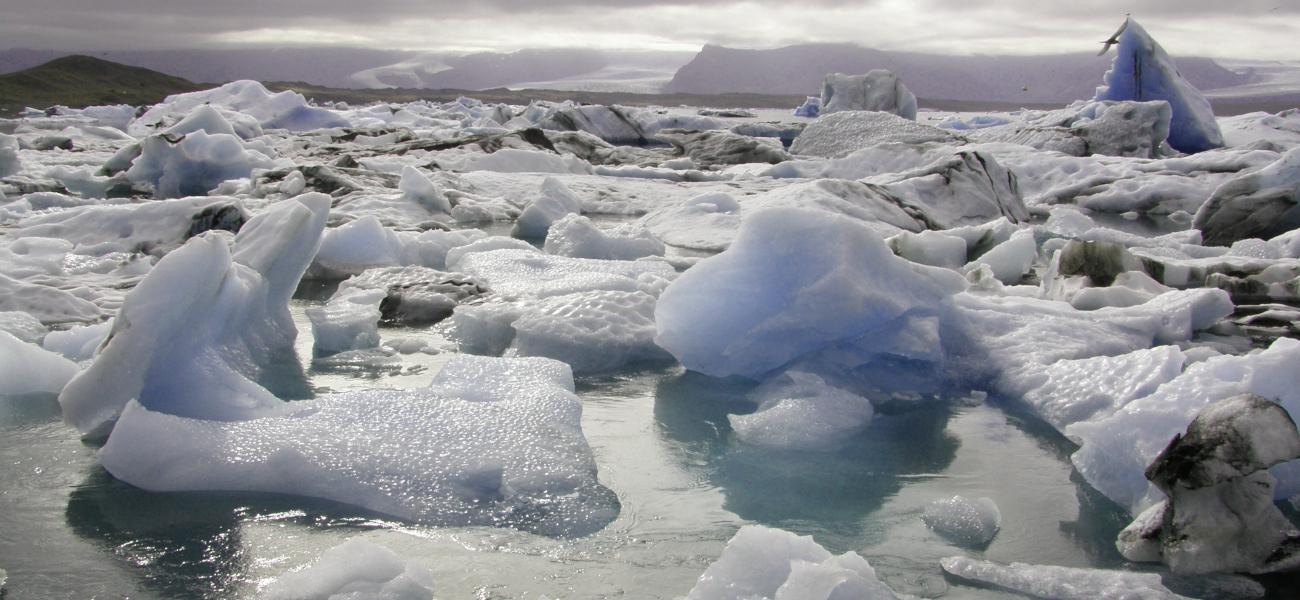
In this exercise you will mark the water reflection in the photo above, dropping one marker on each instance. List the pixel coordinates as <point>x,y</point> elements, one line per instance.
<point>826,494</point>
<point>188,545</point>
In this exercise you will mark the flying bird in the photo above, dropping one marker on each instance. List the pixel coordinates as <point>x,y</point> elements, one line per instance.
<point>1114,39</point>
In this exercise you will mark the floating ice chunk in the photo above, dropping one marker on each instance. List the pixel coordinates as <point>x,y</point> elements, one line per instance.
<point>79,343</point>
<point>575,235</point>
<point>839,134</point>
<point>811,107</point>
<point>349,321</point>
<point>283,110</point>
<point>1069,583</point>
<point>359,245</point>
<point>354,570</point>
<point>1086,128</point>
<point>933,248</point>
<point>203,118</point>
<point>49,304</point>
<point>23,326</point>
<point>1115,451</point>
<point>486,244</point>
<point>1010,260</point>
<point>1219,514</point>
<point>877,90</point>
<point>9,162</point>
<point>794,281</point>
<point>1074,390</point>
<point>591,331</point>
<point>553,202</point>
<point>966,521</point>
<point>711,149</point>
<point>485,329</point>
<point>800,410</point>
<point>1130,288</point>
<point>1143,71</point>
<point>433,455</point>
<point>760,563</point>
<point>531,273</point>
<point>193,164</point>
<point>414,294</point>
<point>193,337</point>
<point>151,227</point>
<point>614,124</point>
<point>965,188</point>
<point>26,368</point>
<point>1259,204</point>
<point>416,187</point>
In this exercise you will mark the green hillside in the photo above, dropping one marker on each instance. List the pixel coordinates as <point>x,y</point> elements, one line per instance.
<point>79,81</point>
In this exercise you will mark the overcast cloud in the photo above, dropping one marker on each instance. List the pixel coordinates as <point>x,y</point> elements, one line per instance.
<point>1253,29</point>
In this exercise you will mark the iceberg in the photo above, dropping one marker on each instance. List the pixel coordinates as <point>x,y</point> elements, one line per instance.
<point>194,337</point>
<point>877,90</point>
<point>553,202</point>
<point>793,282</point>
<point>193,164</point>
<point>1260,204</point>
<point>283,110</point>
<point>800,411</point>
<point>26,368</point>
<point>1142,71</point>
<point>490,441</point>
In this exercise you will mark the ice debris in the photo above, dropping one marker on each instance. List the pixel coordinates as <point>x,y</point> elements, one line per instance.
<point>26,368</point>
<point>966,521</point>
<point>760,563</point>
<point>1259,204</point>
<point>839,134</point>
<point>800,411</point>
<point>553,202</point>
<point>1218,515</point>
<point>1070,583</point>
<point>354,570</point>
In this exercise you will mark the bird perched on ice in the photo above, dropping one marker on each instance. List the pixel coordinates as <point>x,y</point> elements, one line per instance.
<point>1114,38</point>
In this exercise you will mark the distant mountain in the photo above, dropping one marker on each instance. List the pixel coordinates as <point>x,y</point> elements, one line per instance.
<point>1026,79</point>
<point>79,81</point>
<point>326,66</point>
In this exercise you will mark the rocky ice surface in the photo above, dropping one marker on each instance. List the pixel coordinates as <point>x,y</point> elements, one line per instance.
<point>185,279</point>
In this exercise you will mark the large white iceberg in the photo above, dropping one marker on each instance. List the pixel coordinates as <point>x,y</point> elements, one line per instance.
<point>283,110</point>
<point>793,282</point>
<point>490,441</point>
<point>1142,71</point>
<point>207,322</point>
<point>877,90</point>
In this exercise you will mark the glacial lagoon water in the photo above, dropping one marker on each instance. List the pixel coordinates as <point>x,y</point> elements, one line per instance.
<point>662,442</point>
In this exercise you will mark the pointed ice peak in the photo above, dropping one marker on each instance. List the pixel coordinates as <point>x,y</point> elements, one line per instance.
<point>1142,71</point>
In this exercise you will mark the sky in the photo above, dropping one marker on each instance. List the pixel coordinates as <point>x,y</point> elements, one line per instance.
<point>1244,29</point>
